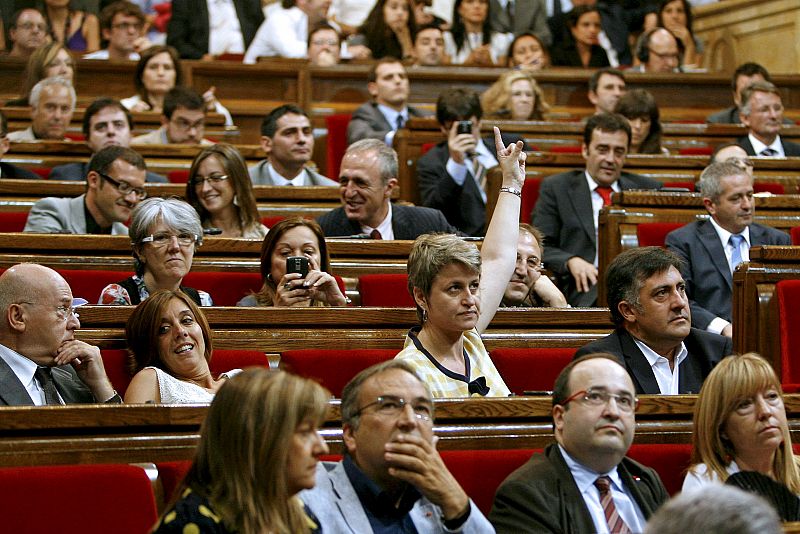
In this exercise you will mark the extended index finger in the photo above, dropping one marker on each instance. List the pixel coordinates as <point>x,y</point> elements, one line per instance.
<point>498,142</point>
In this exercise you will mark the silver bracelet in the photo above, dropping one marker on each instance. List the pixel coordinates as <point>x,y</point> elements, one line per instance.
<point>511,190</point>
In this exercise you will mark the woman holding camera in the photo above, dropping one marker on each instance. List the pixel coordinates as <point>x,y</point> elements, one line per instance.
<point>298,239</point>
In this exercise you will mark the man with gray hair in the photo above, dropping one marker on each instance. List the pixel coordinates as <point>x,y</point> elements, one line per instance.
<point>392,478</point>
<point>653,338</point>
<point>52,103</point>
<point>367,177</point>
<point>712,248</point>
<point>762,114</point>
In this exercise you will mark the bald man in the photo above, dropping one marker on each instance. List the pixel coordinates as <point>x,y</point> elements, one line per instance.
<point>41,362</point>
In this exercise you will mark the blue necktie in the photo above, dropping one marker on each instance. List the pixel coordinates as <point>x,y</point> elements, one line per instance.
<point>736,255</point>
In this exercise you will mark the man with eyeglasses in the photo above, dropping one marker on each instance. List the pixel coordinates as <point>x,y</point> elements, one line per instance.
<point>392,479</point>
<point>762,114</point>
<point>121,24</point>
<point>324,46</point>
<point>527,287</point>
<point>183,120</point>
<point>712,248</point>
<point>114,186</point>
<point>41,362</point>
<point>583,482</point>
<point>8,170</point>
<point>27,32</point>
<point>106,122</point>
<point>658,50</point>
<point>654,338</point>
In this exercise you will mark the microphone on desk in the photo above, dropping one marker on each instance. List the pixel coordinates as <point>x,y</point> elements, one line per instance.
<point>354,236</point>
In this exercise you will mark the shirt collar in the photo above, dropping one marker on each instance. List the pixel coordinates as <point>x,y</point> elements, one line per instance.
<point>585,477</point>
<point>391,115</point>
<point>725,236</point>
<point>279,179</point>
<point>385,226</point>
<point>379,502</point>
<point>758,146</point>
<point>23,367</point>
<point>593,184</point>
<point>652,356</point>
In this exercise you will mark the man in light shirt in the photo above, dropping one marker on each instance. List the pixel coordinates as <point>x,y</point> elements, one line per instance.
<point>122,25</point>
<point>654,338</point>
<point>583,482</point>
<point>762,114</point>
<point>285,32</point>
<point>202,29</point>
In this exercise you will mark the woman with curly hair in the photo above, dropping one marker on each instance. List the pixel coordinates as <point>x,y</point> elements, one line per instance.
<point>516,96</point>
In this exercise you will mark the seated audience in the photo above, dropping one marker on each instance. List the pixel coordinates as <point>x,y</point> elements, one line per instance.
<point>424,14</point>
<point>388,30</point>
<point>170,345</point>
<point>183,120</point>
<point>47,61</point>
<point>52,104</point>
<point>198,33</point>
<point>762,115</point>
<point>387,83</point>
<point>528,52</point>
<point>164,235</point>
<point>122,26</point>
<point>285,32</point>
<point>157,73</point>
<point>452,175</point>
<point>515,96</point>
<point>744,75</point>
<point>429,47</point>
<point>740,425</point>
<point>266,425</point>
<point>219,188</point>
<point>366,180</point>
<point>7,170</point>
<point>324,45</point>
<point>78,31</point>
<point>455,303</point>
<point>676,16</point>
<point>293,237</point>
<point>528,286</point>
<point>639,107</point>
<point>392,478</point>
<point>106,122</point>
<point>710,249</point>
<point>583,482</point>
<point>41,362</point>
<point>583,49</point>
<point>606,87</point>
<point>114,186</point>
<point>654,338</point>
<point>658,50</point>
<point>288,140</point>
<point>470,40</point>
<point>27,32</point>
<point>515,17</point>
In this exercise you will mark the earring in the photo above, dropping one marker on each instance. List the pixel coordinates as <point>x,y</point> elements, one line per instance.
<point>235,200</point>
<point>424,316</point>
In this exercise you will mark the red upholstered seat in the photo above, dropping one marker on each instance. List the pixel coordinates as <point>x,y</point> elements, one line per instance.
<point>689,186</point>
<point>180,176</point>
<point>531,369</point>
<point>75,136</point>
<point>89,284</point>
<point>333,368</point>
<point>85,499</point>
<point>115,362</point>
<point>696,151</point>
<point>566,149</point>
<point>795,233</point>
<point>789,321</point>
<point>225,360</point>
<point>670,460</point>
<point>385,290</point>
<point>530,194</point>
<point>425,147</point>
<point>225,288</point>
<point>768,187</point>
<point>13,221</point>
<point>44,172</point>
<point>654,234</point>
<point>171,475</point>
<point>337,141</point>
<point>271,220</point>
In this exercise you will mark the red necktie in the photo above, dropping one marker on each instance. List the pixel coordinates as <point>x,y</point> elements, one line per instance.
<point>375,234</point>
<point>615,523</point>
<point>605,192</point>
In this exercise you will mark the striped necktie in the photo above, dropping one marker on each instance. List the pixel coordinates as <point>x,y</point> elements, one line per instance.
<point>615,523</point>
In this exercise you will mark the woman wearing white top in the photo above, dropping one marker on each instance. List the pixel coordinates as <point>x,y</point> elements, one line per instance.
<point>740,425</point>
<point>469,41</point>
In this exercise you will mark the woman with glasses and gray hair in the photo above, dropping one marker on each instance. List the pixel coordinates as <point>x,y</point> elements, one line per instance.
<point>164,234</point>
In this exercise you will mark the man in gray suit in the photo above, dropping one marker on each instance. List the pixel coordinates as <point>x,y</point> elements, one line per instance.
<point>114,186</point>
<point>392,479</point>
<point>288,140</point>
<point>711,249</point>
<point>388,111</point>
<point>515,17</point>
<point>41,362</point>
<point>366,180</point>
<point>762,114</point>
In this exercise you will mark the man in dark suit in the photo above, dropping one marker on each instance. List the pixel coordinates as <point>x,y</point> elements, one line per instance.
<point>762,114</point>
<point>654,337</point>
<point>516,17</point>
<point>569,205</point>
<point>711,249</point>
<point>452,175</point>
<point>8,170</point>
<point>190,28</point>
<point>583,482</point>
<point>41,362</point>
<point>744,75</point>
<point>387,83</point>
<point>367,177</point>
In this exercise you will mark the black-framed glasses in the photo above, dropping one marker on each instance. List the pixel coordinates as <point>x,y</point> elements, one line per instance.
<point>214,179</point>
<point>124,187</point>
<point>392,406</point>
<point>600,397</point>
<point>162,239</point>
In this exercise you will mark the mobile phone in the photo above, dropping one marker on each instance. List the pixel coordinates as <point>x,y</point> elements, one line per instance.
<point>464,127</point>
<point>297,264</point>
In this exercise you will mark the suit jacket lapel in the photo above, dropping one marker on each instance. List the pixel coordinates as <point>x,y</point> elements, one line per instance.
<point>571,500</point>
<point>77,217</point>
<point>691,370</point>
<point>636,363</point>
<point>581,199</point>
<point>348,502</point>
<point>710,240</point>
<point>12,392</point>
<point>645,504</point>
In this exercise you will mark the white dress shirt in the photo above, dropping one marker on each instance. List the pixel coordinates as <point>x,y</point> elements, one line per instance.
<point>385,227</point>
<point>668,379</point>
<point>458,171</point>
<point>24,370</point>
<point>225,32</point>
<point>279,179</point>
<point>597,205</point>
<point>776,145</point>
<point>283,34</point>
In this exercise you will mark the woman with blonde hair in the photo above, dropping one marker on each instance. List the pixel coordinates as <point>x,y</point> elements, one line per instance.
<point>50,60</point>
<point>515,96</point>
<point>259,446</point>
<point>740,425</point>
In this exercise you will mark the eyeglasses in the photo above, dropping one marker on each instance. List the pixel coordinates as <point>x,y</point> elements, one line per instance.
<point>63,312</point>
<point>124,187</point>
<point>214,179</point>
<point>391,406</point>
<point>163,239</point>
<point>184,125</point>
<point>674,56</point>
<point>599,397</point>
<point>128,26</point>
<point>323,42</point>
<point>748,406</point>
<point>32,26</point>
